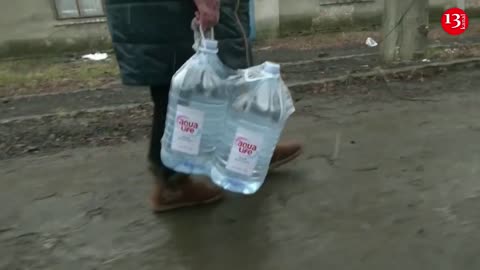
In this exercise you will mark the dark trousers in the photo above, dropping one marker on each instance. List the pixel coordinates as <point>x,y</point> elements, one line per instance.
<point>160,104</point>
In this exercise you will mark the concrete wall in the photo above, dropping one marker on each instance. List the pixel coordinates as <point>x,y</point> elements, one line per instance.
<point>267,18</point>
<point>31,26</point>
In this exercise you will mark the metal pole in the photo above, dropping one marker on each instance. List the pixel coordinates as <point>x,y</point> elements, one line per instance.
<point>79,9</point>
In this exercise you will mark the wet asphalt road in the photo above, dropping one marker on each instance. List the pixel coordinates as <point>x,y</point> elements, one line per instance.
<point>401,192</point>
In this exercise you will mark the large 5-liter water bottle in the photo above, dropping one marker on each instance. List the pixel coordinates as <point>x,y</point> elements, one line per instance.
<point>254,124</point>
<point>196,111</point>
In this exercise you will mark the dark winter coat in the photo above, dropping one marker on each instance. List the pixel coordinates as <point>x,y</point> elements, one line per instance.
<point>153,38</point>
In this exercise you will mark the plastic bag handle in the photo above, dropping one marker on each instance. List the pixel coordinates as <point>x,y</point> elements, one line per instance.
<point>199,34</point>
<point>202,33</point>
<point>198,28</point>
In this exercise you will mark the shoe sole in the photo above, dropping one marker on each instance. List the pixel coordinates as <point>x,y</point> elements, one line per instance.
<point>276,165</point>
<point>186,204</point>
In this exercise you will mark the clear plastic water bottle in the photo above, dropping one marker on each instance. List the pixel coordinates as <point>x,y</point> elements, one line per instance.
<point>196,111</point>
<point>254,124</point>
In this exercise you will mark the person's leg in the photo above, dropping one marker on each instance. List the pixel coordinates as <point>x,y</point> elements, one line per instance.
<point>159,96</point>
<point>172,190</point>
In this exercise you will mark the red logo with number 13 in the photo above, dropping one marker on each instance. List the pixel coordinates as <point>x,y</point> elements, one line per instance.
<point>455,21</point>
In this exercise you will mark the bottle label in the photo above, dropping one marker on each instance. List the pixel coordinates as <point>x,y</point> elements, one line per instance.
<point>244,152</point>
<point>187,132</point>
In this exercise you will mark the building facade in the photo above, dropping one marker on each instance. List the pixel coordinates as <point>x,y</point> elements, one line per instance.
<point>54,26</point>
<point>41,26</point>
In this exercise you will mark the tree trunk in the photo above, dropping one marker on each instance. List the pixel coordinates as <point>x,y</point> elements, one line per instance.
<point>405,29</point>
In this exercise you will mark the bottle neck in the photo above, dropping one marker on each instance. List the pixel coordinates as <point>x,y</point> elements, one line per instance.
<point>271,68</point>
<point>208,51</point>
<point>209,46</point>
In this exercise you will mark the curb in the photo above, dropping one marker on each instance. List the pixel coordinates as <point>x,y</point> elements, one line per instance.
<point>380,72</point>
<point>74,113</point>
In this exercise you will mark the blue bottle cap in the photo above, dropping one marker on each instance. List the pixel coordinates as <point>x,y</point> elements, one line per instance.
<point>272,68</point>
<point>210,44</point>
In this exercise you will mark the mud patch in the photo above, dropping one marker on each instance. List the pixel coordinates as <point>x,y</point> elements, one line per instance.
<point>53,133</point>
<point>57,132</point>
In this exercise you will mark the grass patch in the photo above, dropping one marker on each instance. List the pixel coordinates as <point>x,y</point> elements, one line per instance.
<point>41,75</point>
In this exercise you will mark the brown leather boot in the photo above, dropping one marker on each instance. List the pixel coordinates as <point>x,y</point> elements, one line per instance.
<point>181,191</point>
<point>284,153</point>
